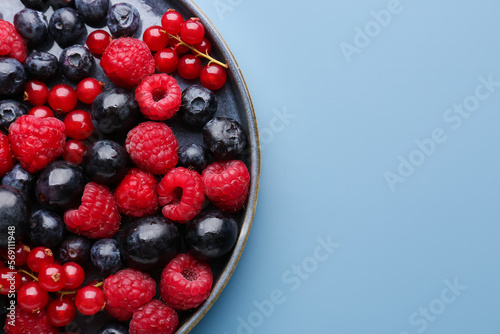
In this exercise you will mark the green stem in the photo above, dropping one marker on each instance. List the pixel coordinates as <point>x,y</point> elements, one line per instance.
<point>198,53</point>
<point>29,274</point>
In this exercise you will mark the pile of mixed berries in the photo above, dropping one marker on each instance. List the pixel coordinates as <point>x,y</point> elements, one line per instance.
<point>101,207</point>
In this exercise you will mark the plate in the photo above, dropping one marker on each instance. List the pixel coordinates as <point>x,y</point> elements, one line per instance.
<point>233,101</point>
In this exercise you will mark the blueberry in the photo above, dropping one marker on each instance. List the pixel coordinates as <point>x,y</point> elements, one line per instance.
<point>14,213</point>
<point>12,77</point>
<point>92,11</point>
<point>211,234</point>
<point>74,249</point>
<point>10,110</point>
<point>66,27</point>
<point>193,156</point>
<point>113,328</point>
<point>19,178</point>
<point>32,25</point>
<point>123,19</point>
<point>106,162</point>
<point>41,65</point>
<point>115,111</point>
<point>224,137</point>
<point>61,3</point>
<point>41,5</point>
<point>106,257</point>
<point>150,242</point>
<point>46,228</point>
<point>198,105</point>
<point>60,185</point>
<point>76,62</point>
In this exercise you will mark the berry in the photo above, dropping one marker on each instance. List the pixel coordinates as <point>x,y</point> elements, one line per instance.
<point>11,43</point>
<point>41,65</point>
<point>181,194</point>
<point>150,242</point>
<point>155,38</point>
<point>158,96</point>
<point>74,249</point>
<point>61,312</point>
<point>31,297</point>
<point>193,156</point>
<point>10,281</point>
<point>198,106</point>
<point>224,137</point>
<point>127,61</point>
<point>204,46</point>
<point>41,5</point>
<point>31,25</point>
<point>98,216</point>
<point>62,98</point>
<point>178,47</point>
<point>41,111</point>
<point>211,234</point>
<point>106,162</point>
<point>12,75</point>
<point>153,147</point>
<point>62,3</point>
<point>226,184</point>
<point>126,291</point>
<point>75,275</point>
<point>192,31</point>
<point>46,228</point>
<point>10,110</point>
<point>90,300</point>
<point>136,195</point>
<point>123,19</point>
<point>36,92</point>
<point>189,67</point>
<point>98,41</point>
<point>14,213</point>
<point>76,62</point>
<point>52,277</point>
<point>60,185</point>
<point>106,257</point>
<point>66,26</point>
<point>92,11</point>
<point>171,22</point>
<point>185,282</point>
<point>213,76</point>
<point>166,60</point>
<point>113,328</point>
<point>29,322</point>
<point>39,257</point>
<point>22,251</point>
<point>6,156</point>
<point>78,124</point>
<point>88,89</point>
<point>154,317</point>
<point>74,150</point>
<point>19,179</point>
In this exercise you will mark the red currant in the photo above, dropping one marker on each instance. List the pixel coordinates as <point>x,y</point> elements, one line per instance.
<point>204,46</point>
<point>189,67</point>
<point>61,312</point>
<point>213,76</point>
<point>78,124</point>
<point>41,111</point>
<point>155,38</point>
<point>62,98</point>
<point>192,31</point>
<point>75,275</point>
<point>88,89</point>
<point>97,41</point>
<point>10,281</point>
<point>74,150</point>
<point>22,251</point>
<point>32,297</point>
<point>178,47</point>
<point>89,300</point>
<point>166,60</point>
<point>36,92</point>
<point>25,278</point>
<point>39,257</point>
<point>171,22</point>
<point>52,277</point>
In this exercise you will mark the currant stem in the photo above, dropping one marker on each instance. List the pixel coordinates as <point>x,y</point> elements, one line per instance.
<point>29,274</point>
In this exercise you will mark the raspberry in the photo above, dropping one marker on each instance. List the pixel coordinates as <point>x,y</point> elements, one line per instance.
<point>29,322</point>
<point>136,194</point>
<point>152,146</point>
<point>11,43</point>
<point>185,282</point>
<point>159,97</point>
<point>181,191</point>
<point>6,157</point>
<point>126,291</point>
<point>226,183</point>
<point>127,61</point>
<point>36,141</point>
<point>154,317</point>
<point>98,216</point>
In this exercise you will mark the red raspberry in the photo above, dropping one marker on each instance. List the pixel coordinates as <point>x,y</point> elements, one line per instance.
<point>154,317</point>
<point>159,97</point>
<point>181,193</point>
<point>152,146</point>
<point>11,43</point>
<point>6,157</point>
<point>36,141</point>
<point>185,282</point>
<point>127,61</point>
<point>226,183</point>
<point>126,291</point>
<point>98,216</point>
<point>29,322</point>
<point>136,194</point>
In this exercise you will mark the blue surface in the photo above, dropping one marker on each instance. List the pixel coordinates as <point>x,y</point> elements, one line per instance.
<point>342,115</point>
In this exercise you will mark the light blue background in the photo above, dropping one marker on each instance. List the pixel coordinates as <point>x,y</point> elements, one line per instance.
<point>323,169</point>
